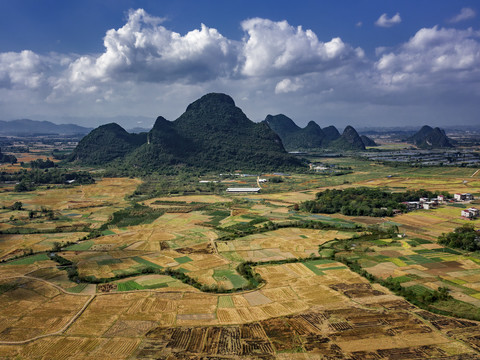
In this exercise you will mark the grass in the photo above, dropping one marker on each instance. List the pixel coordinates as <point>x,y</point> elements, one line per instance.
<point>129,285</point>
<point>459,308</point>
<point>225,302</point>
<point>183,259</point>
<point>108,262</point>
<point>402,279</point>
<point>236,280</point>
<point>84,245</point>
<point>217,216</point>
<point>146,262</point>
<point>29,260</point>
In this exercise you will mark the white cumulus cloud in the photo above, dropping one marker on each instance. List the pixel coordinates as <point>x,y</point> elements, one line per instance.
<point>465,14</point>
<point>143,50</point>
<point>22,70</point>
<point>287,85</point>
<point>385,21</point>
<point>279,48</point>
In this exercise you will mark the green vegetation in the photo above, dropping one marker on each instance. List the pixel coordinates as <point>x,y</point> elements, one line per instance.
<point>464,237</point>
<point>4,158</point>
<point>28,260</point>
<point>28,180</point>
<point>363,201</point>
<point>430,138</point>
<point>42,164</point>
<point>134,215</point>
<point>106,143</point>
<point>146,262</point>
<point>212,134</point>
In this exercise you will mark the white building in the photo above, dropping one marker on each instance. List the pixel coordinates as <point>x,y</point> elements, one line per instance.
<point>243,189</point>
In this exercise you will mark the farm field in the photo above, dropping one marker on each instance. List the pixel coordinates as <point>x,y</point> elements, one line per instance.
<point>130,295</point>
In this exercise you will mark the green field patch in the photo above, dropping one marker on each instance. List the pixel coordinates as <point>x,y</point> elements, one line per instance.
<point>380,242</point>
<point>129,285</point>
<point>397,261</point>
<point>125,272</point>
<point>455,252</point>
<point>108,262</point>
<point>419,259</point>
<point>474,259</point>
<point>143,261</point>
<point>236,280</point>
<point>460,206</point>
<point>313,268</point>
<point>232,256</point>
<point>402,279</point>
<point>381,258</point>
<point>183,259</point>
<point>78,288</point>
<point>304,236</point>
<point>182,270</point>
<point>425,251</point>
<point>419,289</point>
<point>321,261</point>
<point>108,232</point>
<point>217,216</point>
<point>83,245</point>
<point>225,302</point>
<point>29,260</point>
<point>421,241</point>
<point>455,281</point>
<point>326,252</point>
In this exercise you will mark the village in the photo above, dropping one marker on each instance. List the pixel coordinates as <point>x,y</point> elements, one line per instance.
<point>427,204</point>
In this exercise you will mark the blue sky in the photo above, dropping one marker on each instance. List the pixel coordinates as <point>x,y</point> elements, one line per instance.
<point>358,62</point>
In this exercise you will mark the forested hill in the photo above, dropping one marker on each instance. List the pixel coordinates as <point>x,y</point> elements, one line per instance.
<point>212,134</point>
<point>430,138</point>
<point>314,137</point>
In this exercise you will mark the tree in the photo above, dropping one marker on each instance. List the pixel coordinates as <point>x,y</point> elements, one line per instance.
<point>57,246</point>
<point>17,205</point>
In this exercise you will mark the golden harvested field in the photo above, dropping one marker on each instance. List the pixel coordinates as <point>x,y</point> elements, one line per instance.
<point>316,308</point>
<point>280,244</point>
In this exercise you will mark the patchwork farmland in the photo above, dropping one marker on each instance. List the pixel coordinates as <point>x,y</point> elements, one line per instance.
<point>175,283</point>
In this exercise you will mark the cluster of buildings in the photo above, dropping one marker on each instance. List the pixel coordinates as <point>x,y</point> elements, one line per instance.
<point>424,203</point>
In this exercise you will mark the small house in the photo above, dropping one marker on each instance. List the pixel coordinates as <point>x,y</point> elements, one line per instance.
<point>457,197</point>
<point>474,211</point>
<point>467,214</point>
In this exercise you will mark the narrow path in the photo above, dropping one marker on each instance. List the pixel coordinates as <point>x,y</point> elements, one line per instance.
<point>59,332</point>
<point>258,182</point>
<point>475,173</point>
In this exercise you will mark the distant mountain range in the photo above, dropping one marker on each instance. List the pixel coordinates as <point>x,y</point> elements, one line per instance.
<point>26,127</point>
<point>314,137</point>
<point>430,138</point>
<point>212,134</point>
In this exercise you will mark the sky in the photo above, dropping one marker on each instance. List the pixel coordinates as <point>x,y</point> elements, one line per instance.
<point>366,63</point>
